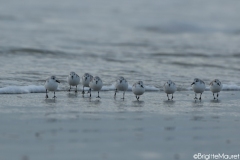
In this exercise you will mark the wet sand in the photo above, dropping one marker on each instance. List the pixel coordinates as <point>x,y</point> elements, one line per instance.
<point>72,127</point>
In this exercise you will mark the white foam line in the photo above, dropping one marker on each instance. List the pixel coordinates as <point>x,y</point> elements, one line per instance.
<point>226,87</point>
<point>22,89</point>
<point>41,89</point>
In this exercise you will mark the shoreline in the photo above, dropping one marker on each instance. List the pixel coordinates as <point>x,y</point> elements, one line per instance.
<point>73,127</point>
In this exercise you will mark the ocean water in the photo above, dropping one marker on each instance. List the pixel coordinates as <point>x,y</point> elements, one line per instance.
<point>140,40</point>
<point>152,41</point>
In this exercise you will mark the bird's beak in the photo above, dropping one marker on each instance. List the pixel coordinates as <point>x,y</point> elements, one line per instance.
<point>85,78</point>
<point>120,81</point>
<point>58,81</point>
<point>72,77</point>
<point>142,86</point>
<point>96,82</point>
<point>193,83</point>
<point>169,85</point>
<point>218,84</point>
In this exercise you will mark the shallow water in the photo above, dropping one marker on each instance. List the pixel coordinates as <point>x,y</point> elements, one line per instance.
<point>152,41</point>
<point>73,127</point>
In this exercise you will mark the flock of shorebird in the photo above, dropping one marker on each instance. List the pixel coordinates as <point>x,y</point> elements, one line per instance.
<point>121,84</point>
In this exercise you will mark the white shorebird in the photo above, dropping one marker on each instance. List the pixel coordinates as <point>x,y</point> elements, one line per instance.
<point>51,84</point>
<point>198,87</point>
<point>215,87</point>
<point>138,89</point>
<point>73,80</point>
<point>121,84</point>
<point>96,85</point>
<point>86,78</point>
<point>169,88</point>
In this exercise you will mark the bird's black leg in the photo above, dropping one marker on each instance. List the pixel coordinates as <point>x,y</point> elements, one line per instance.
<point>54,95</point>
<point>195,96</point>
<point>217,95</point>
<point>115,93</point>
<point>83,90</point>
<point>213,96</point>
<point>168,97</point>
<point>200,97</point>
<point>69,89</point>
<point>46,94</point>
<point>138,98</point>
<point>76,89</point>
<point>172,96</point>
<point>98,95</point>
<point>90,92</point>
<point>123,95</point>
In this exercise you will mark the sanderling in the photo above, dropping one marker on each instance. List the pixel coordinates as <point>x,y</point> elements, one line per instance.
<point>51,84</point>
<point>138,89</point>
<point>86,78</point>
<point>121,84</point>
<point>73,80</point>
<point>169,88</point>
<point>215,87</point>
<point>96,85</point>
<point>198,87</point>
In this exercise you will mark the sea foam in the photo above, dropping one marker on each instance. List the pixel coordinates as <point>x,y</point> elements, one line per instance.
<point>41,89</point>
<point>231,87</point>
<point>112,87</point>
<point>22,89</point>
<point>226,87</point>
